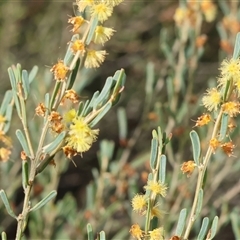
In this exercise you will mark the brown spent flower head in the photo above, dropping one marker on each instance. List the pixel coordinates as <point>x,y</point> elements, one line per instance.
<point>55,119</point>
<point>57,127</point>
<point>23,156</point>
<point>77,22</point>
<point>60,71</point>
<point>71,95</point>
<point>231,108</point>
<point>175,238</point>
<point>188,167</point>
<point>54,116</point>
<point>69,152</point>
<point>78,45</point>
<point>214,143</point>
<point>228,148</point>
<point>136,231</point>
<point>203,120</point>
<point>40,110</point>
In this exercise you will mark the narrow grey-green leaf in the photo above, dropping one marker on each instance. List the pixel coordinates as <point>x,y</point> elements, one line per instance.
<point>106,149</point>
<point>25,83</point>
<point>45,200</point>
<point>90,232</point>
<point>196,146</point>
<point>154,134</point>
<point>90,105</point>
<point>154,151</point>
<point>181,222</point>
<point>73,75</point>
<point>162,170</point>
<point>102,235</point>
<point>214,228</point>
<point>53,146</point>
<point>25,174</point>
<point>80,108</point>
<point>6,100</point>
<point>120,78</point>
<point>103,96</point>
<point>33,73</point>
<point>44,163</point>
<point>17,72</point>
<point>17,104</point>
<point>149,79</point>
<point>23,141</point>
<point>236,51</point>
<point>69,54</point>
<point>12,78</point>
<point>235,219</point>
<point>160,139</point>
<point>199,202</point>
<point>100,115</point>
<point>94,24</point>
<point>122,123</point>
<point>203,229</point>
<point>83,113</point>
<point>224,127</point>
<point>13,82</point>
<point>47,100</point>
<point>4,236</point>
<point>226,89</point>
<point>7,204</point>
<point>90,199</point>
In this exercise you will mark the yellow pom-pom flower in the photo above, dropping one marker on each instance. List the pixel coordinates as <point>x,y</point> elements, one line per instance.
<point>81,136</point>
<point>212,99</point>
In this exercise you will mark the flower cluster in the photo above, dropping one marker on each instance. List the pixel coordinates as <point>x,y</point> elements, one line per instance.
<point>80,136</point>
<point>192,8</point>
<point>155,234</point>
<point>224,100</point>
<point>140,205</point>
<point>88,30</point>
